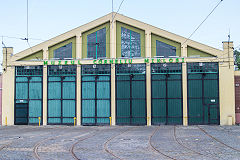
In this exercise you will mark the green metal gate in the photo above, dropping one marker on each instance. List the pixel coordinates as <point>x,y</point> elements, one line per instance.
<point>131,94</point>
<point>28,95</point>
<point>96,94</point>
<point>166,93</point>
<point>203,93</point>
<point>61,94</point>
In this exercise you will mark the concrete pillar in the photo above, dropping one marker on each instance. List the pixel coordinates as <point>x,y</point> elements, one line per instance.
<point>184,50</point>
<point>45,53</point>
<point>113,98</point>
<point>45,95</point>
<point>148,38</point>
<point>78,47</point>
<point>148,94</point>
<point>226,92</point>
<point>8,79</point>
<point>113,40</point>
<point>148,76</point>
<point>184,86</point>
<point>184,94</point>
<point>78,96</point>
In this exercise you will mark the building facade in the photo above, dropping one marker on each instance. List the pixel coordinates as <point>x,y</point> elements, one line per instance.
<point>120,72</point>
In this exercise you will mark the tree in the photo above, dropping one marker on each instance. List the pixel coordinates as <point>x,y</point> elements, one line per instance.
<point>237,59</point>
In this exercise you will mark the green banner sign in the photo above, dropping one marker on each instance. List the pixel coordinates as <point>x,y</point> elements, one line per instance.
<point>115,61</point>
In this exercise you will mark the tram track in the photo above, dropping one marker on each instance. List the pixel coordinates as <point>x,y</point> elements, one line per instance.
<point>155,149</point>
<point>217,140</point>
<point>188,148</point>
<point>16,138</point>
<point>110,139</point>
<point>71,150</point>
<point>36,146</point>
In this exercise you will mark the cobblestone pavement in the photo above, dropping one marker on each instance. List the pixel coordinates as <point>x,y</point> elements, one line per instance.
<point>120,142</point>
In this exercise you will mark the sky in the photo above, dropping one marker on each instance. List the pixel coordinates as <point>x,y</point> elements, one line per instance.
<point>49,18</point>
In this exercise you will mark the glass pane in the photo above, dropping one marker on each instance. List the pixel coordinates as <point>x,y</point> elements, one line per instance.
<point>130,43</point>
<point>29,70</point>
<point>202,67</point>
<point>96,44</point>
<point>101,43</point>
<point>91,45</point>
<point>163,49</point>
<point>63,52</point>
<point>62,70</point>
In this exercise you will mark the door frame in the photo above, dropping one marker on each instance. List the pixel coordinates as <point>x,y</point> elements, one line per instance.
<point>28,82</point>
<point>130,75</point>
<point>95,98</point>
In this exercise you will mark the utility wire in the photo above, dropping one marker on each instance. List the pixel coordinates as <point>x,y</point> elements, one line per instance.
<point>202,22</point>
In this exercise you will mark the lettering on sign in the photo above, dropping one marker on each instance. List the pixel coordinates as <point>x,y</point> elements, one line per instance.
<point>115,61</point>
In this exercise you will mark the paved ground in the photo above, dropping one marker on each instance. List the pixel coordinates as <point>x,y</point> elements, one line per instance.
<point>120,142</point>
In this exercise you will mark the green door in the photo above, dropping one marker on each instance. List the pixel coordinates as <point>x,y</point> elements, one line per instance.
<point>131,94</point>
<point>28,94</point>
<point>21,114</point>
<point>203,93</point>
<point>166,93</point>
<point>61,94</point>
<point>96,94</point>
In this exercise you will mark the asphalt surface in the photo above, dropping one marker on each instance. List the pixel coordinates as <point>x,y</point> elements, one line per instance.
<point>119,142</point>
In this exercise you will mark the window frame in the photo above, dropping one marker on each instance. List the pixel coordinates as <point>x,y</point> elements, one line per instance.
<point>98,44</point>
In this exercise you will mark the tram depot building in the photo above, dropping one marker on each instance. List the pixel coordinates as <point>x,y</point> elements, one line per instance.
<point>121,72</point>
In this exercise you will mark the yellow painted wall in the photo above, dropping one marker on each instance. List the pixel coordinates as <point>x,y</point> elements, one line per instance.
<point>194,52</point>
<point>35,56</point>
<point>8,96</point>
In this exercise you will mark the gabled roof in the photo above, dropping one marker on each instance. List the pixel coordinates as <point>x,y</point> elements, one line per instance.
<point>121,18</point>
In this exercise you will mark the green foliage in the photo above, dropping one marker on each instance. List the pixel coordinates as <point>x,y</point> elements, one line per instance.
<point>237,58</point>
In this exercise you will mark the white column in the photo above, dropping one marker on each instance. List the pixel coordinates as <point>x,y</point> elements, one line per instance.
<point>44,95</point>
<point>78,47</point>
<point>113,98</point>
<point>78,96</point>
<point>184,86</point>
